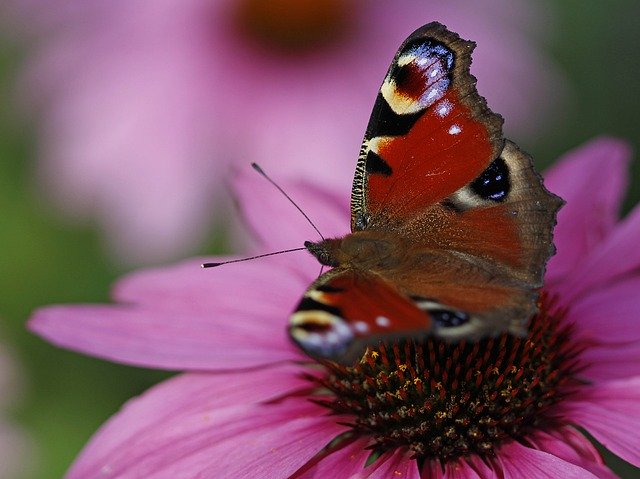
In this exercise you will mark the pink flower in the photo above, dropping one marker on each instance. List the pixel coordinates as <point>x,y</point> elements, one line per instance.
<point>143,106</point>
<point>251,405</point>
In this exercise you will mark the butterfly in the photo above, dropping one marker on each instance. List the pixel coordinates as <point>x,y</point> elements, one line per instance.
<point>451,226</point>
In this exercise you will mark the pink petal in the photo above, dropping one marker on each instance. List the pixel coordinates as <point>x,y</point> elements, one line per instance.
<point>608,314</point>
<point>610,412</point>
<point>479,467</point>
<point>349,460</point>
<point>591,179</point>
<point>433,469</point>
<point>277,223</point>
<point>270,287</point>
<point>396,464</point>
<point>190,393</point>
<point>571,446</point>
<point>471,467</point>
<point>618,256</point>
<point>158,339</point>
<point>277,449</point>
<point>611,361</point>
<point>191,426</point>
<point>518,461</point>
<point>187,318</point>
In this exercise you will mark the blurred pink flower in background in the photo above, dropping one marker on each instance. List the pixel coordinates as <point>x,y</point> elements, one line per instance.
<point>251,407</point>
<point>16,452</point>
<point>142,106</point>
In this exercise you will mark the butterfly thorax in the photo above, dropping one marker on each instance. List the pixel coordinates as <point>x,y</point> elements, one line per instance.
<point>362,249</point>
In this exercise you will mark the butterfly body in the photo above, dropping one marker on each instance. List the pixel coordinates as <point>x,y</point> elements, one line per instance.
<point>451,226</point>
<point>364,250</point>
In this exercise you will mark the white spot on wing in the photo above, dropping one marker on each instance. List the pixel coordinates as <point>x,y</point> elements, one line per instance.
<point>444,108</point>
<point>383,321</point>
<point>454,130</point>
<point>361,326</point>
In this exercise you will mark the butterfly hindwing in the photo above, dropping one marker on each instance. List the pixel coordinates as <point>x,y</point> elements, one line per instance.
<point>508,217</point>
<point>345,311</point>
<point>481,252</point>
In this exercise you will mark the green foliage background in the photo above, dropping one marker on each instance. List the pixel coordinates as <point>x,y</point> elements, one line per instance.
<point>65,397</point>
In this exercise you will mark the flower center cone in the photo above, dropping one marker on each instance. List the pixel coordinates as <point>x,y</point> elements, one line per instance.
<point>444,400</point>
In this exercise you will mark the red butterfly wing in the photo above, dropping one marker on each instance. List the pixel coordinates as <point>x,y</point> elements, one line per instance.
<point>345,311</point>
<point>430,132</point>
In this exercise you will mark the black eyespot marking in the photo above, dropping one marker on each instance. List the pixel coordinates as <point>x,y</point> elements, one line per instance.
<point>308,304</point>
<point>327,288</point>
<point>386,122</point>
<point>375,165</point>
<point>448,319</point>
<point>494,182</point>
<point>318,328</point>
<point>418,298</point>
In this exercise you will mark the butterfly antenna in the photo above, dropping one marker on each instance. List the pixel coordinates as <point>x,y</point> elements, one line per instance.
<point>257,167</point>
<point>213,265</point>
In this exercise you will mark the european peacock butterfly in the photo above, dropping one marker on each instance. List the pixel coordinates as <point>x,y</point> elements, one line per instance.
<point>451,227</point>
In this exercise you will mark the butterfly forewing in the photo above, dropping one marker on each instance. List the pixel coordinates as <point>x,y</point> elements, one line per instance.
<point>430,132</point>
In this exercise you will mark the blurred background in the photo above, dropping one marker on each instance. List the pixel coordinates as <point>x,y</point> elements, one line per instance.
<point>121,123</point>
